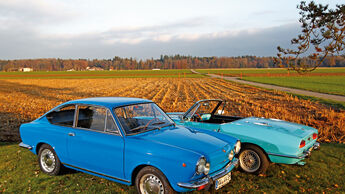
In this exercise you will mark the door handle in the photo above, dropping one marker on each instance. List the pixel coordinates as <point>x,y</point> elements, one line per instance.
<point>71,134</point>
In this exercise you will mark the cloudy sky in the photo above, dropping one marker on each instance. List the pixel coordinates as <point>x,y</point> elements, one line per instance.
<point>145,28</point>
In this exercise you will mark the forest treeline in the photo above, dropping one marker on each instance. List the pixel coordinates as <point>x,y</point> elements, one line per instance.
<point>164,62</point>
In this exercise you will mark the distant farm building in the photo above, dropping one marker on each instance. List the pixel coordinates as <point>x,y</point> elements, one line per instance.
<point>25,69</point>
<point>94,69</point>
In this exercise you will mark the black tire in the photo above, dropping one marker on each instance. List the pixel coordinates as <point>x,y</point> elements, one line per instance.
<point>152,173</point>
<point>48,160</point>
<point>258,161</point>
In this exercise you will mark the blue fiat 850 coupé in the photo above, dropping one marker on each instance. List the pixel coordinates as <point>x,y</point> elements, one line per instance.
<point>263,140</point>
<point>130,141</point>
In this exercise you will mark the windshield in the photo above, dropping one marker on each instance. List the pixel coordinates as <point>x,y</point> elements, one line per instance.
<point>203,110</point>
<point>142,117</point>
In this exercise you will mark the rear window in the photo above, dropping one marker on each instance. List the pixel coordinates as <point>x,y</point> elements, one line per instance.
<point>63,116</point>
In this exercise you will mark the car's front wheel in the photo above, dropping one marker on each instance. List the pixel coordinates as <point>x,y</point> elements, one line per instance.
<point>48,160</point>
<point>253,160</point>
<point>151,180</point>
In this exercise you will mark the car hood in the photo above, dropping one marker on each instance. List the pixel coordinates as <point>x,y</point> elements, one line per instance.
<point>276,125</point>
<point>187,139</point>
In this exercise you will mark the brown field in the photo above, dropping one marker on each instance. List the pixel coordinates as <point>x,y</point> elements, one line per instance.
<point>23,100</point>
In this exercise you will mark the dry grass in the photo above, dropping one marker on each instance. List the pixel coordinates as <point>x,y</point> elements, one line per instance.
<point>22,100</point>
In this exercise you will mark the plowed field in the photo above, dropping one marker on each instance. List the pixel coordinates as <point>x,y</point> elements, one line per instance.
<point>23,100</point>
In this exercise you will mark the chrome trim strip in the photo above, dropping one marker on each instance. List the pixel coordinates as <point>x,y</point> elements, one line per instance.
<point>96,173</point>
<point>306,153</point>
<point>209,179</point>
<point>23,145</point>
<point>289,156</point>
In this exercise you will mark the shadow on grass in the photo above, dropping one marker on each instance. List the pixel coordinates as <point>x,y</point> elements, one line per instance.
<point>324,172</point>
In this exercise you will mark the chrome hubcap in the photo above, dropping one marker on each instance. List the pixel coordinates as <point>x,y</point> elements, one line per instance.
<point>150,184</point>
<point>249,161</point>
<point>47,160</point>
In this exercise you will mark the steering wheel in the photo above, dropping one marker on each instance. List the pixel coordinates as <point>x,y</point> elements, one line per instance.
<point>197,117</point>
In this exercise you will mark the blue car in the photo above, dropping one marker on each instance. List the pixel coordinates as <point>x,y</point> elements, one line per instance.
<point>263,140</point>
<point>130,141</point>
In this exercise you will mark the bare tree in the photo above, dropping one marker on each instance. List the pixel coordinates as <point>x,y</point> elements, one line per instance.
<point>323,34</point>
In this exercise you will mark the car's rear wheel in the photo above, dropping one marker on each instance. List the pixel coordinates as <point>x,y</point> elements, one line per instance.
<point>253,160</point>
<point>151,180</point>
<point>48,160</point>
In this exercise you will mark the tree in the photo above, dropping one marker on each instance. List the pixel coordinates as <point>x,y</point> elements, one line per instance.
<point>323,34</point>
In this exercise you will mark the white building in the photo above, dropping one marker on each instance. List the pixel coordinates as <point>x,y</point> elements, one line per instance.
<point>25,69</point>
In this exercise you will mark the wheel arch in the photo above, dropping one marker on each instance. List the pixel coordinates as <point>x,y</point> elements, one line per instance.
<point>38,146</point>
<point>244,144</point>
<point>135,172</point>
<point>137,169</point>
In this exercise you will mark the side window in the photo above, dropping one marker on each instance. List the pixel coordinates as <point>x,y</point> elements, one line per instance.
<point>91,117</point>
<point>63,116</point>
<point>110,124</point>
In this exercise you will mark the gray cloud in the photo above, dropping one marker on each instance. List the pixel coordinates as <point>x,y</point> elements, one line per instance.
<point>33,13</point>
<point>146,42</point>
<point>24,24</point>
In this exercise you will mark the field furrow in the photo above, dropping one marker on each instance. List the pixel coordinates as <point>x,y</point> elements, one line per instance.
<point>24,100</point>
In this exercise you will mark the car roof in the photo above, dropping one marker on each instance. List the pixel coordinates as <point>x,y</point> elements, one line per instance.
<point>110,102</point>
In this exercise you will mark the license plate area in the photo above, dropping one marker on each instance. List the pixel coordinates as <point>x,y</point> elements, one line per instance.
<point>222,181</point>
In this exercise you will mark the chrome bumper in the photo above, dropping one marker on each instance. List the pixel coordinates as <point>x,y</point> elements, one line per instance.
<point>316,146</point>
<point>23,145</point>
<point>209,179</point>
<point>306,153</point>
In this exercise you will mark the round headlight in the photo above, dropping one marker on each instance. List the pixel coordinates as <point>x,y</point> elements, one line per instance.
<point>207,168</point>
<point>231,155</point>
<point>237,147</point>
<point>202,166</point>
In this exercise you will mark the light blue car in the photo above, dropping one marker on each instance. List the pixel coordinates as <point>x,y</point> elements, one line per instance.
<point>263,140</point>
<point>130,141</point>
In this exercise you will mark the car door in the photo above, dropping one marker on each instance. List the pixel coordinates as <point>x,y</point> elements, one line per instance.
<point>95,143</point>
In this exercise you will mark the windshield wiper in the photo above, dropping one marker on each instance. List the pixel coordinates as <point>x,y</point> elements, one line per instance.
<point>158,123</point>
<point>138,128</point>
<point>170,124</point>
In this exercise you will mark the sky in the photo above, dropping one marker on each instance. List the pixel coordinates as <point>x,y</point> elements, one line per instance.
<point>145,29</point>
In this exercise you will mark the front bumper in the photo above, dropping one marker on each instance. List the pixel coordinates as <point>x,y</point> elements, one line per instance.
<point>210,179</point>
<point>305,154</point>
<point>23,145</point>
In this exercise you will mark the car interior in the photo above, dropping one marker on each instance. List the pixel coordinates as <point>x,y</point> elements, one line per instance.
<point>90,118</point>
<point>62,117</point>
<point>206,113</point>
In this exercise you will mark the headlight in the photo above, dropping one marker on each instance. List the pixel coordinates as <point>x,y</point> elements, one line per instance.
<point>207,168</point>
<point>231,155</point>
<point>202,166</point>
<point>237,147</point>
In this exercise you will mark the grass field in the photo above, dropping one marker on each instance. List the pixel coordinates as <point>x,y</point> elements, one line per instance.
<point>323,84</point>
<point>247,72</point>
<point>324,172</point>
<point>182,73</point>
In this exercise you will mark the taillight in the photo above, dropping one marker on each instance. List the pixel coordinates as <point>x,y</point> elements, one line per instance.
<point>201,187</point>
<point>302,144</point>
<point>314,135</point>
